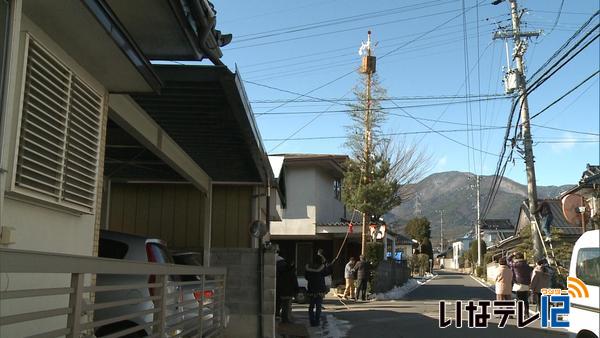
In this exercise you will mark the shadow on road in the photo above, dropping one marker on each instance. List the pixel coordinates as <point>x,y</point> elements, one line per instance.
<point>380,323</point>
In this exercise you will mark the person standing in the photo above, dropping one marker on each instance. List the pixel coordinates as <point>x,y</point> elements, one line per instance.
<point>540,280</point>
<point>349,276</point>
<point>503,281</point>
<point>315,276</point>
<point>521,278</point>
<point>362,275</point>
<point>286,288</point>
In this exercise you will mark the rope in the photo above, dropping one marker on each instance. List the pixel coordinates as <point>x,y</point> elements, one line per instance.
<point>345,238</point>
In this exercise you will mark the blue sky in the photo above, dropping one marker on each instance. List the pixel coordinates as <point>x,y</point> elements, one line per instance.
<point>296,46</point>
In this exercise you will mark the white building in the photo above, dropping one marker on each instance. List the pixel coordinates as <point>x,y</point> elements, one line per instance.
<point>311,209</point>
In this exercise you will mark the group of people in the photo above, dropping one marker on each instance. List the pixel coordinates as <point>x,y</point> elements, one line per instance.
<point>359,272</point>
<point>515,275</point>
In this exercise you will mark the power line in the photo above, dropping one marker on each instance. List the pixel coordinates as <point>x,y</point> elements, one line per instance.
<point>312,35</point>
<point>352,71</point>
<point>383,134</point>
<point>467,84</point>
<point>382,108</point>
<point>565,94</point>
<point>336,21</point>
<point>566,130</point>
<point>395,98</point>
<point>426,33</point>
<point>562,2</point>
<point>439,133</point>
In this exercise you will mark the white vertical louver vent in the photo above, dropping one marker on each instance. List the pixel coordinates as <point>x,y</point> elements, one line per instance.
<point>60,132</point>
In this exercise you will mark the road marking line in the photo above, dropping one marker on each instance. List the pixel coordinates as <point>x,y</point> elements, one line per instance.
<point>483,284</point>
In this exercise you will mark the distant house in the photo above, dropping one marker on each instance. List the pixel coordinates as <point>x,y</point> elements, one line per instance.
<point>495,230</point>
<point>588,188</point>
<point>553,219</point>
<point>311,209</point>
<point>405,246</point>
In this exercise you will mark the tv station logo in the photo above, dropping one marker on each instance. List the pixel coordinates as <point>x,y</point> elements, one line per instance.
<point>555,306</point>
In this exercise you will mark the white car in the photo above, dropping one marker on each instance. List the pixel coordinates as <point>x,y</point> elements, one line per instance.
<point>585,265</point>
<point>302,285</point>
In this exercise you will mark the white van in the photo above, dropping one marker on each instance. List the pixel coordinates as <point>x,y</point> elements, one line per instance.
<point>585,265</point>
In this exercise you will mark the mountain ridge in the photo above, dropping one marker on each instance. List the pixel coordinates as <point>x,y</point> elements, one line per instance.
<point>454,192</point>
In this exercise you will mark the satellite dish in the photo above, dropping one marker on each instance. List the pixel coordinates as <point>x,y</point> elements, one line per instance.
<point>258,229</point>
<point>575,209</point>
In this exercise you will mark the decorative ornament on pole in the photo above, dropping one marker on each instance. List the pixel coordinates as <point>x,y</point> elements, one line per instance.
<point>377,231</point>
<point>368,64</point>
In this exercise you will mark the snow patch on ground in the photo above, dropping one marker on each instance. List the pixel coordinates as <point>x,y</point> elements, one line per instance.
<point>400,292</point>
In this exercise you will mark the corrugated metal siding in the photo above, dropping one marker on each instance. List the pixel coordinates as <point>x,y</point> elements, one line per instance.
<point>172,212</point>
<point>231,216</point>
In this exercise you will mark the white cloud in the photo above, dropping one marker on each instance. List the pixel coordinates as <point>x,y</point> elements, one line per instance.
<point>441,163</point>
<point>567,143</point>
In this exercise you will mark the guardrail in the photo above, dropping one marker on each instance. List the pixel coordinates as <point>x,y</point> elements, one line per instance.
<point>110,297</point>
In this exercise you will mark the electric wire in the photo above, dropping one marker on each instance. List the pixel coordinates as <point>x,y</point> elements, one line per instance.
<point>565,95</point>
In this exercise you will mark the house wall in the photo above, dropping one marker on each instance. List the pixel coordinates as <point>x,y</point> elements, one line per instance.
<point>38,225</point>
<point>231,216</point>
<point>299,216</point>
<point>171,212</point>
<point>406,249</point>
<point>329,209</point>
<point>175,213</point>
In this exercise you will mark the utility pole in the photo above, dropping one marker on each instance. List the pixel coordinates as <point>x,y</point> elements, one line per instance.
<point>441,212</point>
<point>368,68</point>
<point>478,226</point>
<point>515,81</point>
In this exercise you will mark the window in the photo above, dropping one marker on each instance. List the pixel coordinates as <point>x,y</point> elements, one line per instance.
<point>60,132</point>
<point>337,189</point>
<point>588,266</point>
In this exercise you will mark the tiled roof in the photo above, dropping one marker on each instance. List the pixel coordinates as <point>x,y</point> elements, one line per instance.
<point>558,218</point>
<point>400,239</point>
<point>590,175</point>
<point>496,224</point>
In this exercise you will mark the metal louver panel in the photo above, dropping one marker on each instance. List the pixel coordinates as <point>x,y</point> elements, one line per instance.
<point>83,137</point>
<point>43,121</point>
<point>60,131</point>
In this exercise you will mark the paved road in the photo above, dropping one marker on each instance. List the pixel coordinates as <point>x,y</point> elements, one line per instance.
<point>417,315</point>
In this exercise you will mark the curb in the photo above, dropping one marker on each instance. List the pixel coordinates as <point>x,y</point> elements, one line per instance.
<point>419,285</point>
<point>484,284</point>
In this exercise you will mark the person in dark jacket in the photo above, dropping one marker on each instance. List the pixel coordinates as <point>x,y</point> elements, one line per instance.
<point>521,278</point>
<point>315,275</point>
<point>362,276</point>
<point>539,280</point>
<point>286,288</point>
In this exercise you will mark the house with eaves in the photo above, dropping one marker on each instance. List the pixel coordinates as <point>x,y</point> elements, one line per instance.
<point>95,136</point>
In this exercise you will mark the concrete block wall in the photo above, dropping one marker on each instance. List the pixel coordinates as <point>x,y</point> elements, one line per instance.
<point>390,274</point>
<point>241,291</point>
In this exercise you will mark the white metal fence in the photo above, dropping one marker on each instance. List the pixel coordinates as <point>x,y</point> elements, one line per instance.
<point>163,304</point>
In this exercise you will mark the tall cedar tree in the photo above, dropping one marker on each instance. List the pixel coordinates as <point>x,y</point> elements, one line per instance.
<point>392,165</point>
